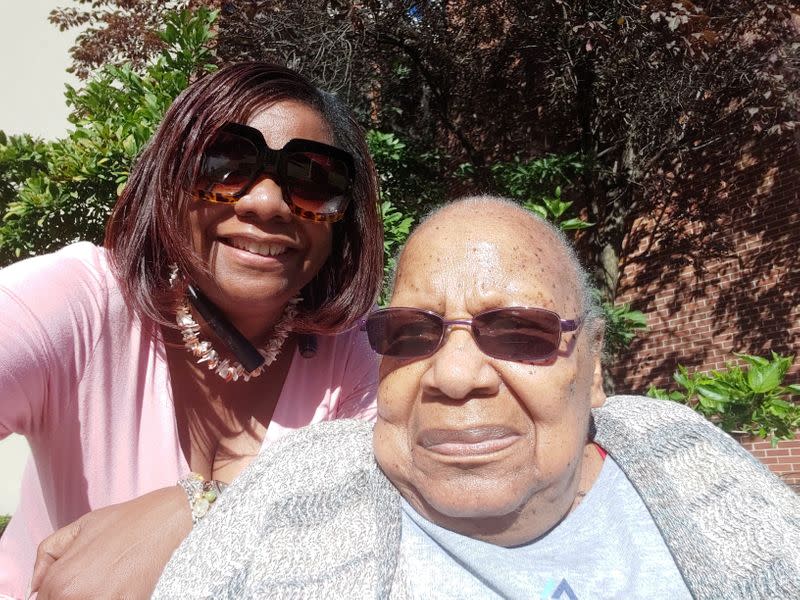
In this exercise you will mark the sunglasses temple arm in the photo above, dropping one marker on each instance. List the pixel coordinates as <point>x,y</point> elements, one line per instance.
<point>570,324</point>
<point>240,346</point>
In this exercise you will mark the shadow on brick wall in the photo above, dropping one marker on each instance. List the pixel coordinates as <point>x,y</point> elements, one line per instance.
<point>715,269</point>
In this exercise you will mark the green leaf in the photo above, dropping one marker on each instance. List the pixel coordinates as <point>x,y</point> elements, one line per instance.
<point>713,392</point>
<point>710,403</point>
<point>753,360</point>
<point>681,377</point>
<point>555,206</point>
<point>537,209</point>
<point>780,408</point>
<point>659,393</point>
<point>574,223</point>
<point>763,378</point>
<point>129,145</point>
<point>636,318</point>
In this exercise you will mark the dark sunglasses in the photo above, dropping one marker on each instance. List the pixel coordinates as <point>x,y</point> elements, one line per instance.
<point>316,179</point>
<point>516,333</point>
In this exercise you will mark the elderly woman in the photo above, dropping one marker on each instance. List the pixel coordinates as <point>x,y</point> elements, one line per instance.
<point>497,468</point>
<point>218,316</point>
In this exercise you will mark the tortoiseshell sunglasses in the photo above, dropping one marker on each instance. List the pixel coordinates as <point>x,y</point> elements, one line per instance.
<point>316,179</point>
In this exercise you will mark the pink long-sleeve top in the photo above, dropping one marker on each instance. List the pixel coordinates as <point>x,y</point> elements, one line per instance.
<point>87,383</point>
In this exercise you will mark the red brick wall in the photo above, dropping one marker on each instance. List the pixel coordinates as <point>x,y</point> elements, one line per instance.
<point>743,297</point>
<point>784,460</point>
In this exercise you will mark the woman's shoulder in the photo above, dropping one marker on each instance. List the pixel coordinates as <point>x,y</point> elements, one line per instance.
<point>81,263</point>
<point>666,446</point>
<point>324,461</point>
<point>68,294</point>
<point>352,336</point>
<point>346,352</point>
<point>310,511</point>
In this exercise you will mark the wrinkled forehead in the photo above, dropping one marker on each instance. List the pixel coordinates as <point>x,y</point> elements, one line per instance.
<point>471,264</point>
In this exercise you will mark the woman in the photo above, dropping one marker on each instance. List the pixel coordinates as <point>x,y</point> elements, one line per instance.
<point>245,245</point>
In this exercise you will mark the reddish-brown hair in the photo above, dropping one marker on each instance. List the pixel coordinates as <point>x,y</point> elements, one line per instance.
<point>148,229</point>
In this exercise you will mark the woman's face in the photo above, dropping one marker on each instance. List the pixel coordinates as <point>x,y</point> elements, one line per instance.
<point>487,447</point>
<point>258,253</point>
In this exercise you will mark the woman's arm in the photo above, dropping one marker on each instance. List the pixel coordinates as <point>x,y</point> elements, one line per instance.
<point>113,552</point>
<point>53,315</point>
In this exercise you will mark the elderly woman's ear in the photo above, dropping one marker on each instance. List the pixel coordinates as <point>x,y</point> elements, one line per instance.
<point>598,393</point>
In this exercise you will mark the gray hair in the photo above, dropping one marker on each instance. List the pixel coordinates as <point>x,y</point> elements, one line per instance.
<point>590,306</point>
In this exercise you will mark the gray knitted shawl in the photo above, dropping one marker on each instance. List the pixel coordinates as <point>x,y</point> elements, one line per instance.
<point>314,517</point>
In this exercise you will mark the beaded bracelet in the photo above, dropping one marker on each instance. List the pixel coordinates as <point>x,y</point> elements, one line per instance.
<point>201,494</point>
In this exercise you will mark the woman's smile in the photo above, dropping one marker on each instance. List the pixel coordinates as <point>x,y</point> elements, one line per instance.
<point>259,255</point>
<point>260,248</point>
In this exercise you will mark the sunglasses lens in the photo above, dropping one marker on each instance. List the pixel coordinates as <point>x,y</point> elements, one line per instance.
<point>229,163</point>
<point>519,334</point>
<point>404,332</point>
<point>317,183</point>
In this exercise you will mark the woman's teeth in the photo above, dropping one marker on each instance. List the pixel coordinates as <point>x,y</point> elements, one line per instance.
<point>260,248</point>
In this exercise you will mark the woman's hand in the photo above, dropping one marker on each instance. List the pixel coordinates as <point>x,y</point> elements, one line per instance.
<point>114,552</point>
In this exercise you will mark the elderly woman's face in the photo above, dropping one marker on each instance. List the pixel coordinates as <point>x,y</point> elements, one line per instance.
<point>478,444</point>
<point>260,255</point>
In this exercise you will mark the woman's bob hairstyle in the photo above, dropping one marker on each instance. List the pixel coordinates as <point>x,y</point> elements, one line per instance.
<point>149,227</point>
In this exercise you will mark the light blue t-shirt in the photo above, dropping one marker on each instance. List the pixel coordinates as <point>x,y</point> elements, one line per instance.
<point>608,547</point>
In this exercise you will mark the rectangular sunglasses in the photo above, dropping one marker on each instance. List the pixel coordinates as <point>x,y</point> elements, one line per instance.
<point>522,334</point>
<point>316,179</point>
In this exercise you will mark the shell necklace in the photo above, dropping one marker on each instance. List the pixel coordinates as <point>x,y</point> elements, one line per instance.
<point>204,351</point>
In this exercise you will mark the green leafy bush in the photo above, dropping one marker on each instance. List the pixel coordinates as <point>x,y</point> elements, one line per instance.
<point>528,179</point>
<point>396,228</point>
<point>54,193</point>
<point>408,186</point>
<point>622,325</point>
<point>4,519</point>
<point>750,400</point>
<point>409,176</point>
<point>554,209</point>
<point>22,158</point>
<point>538,184</point>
